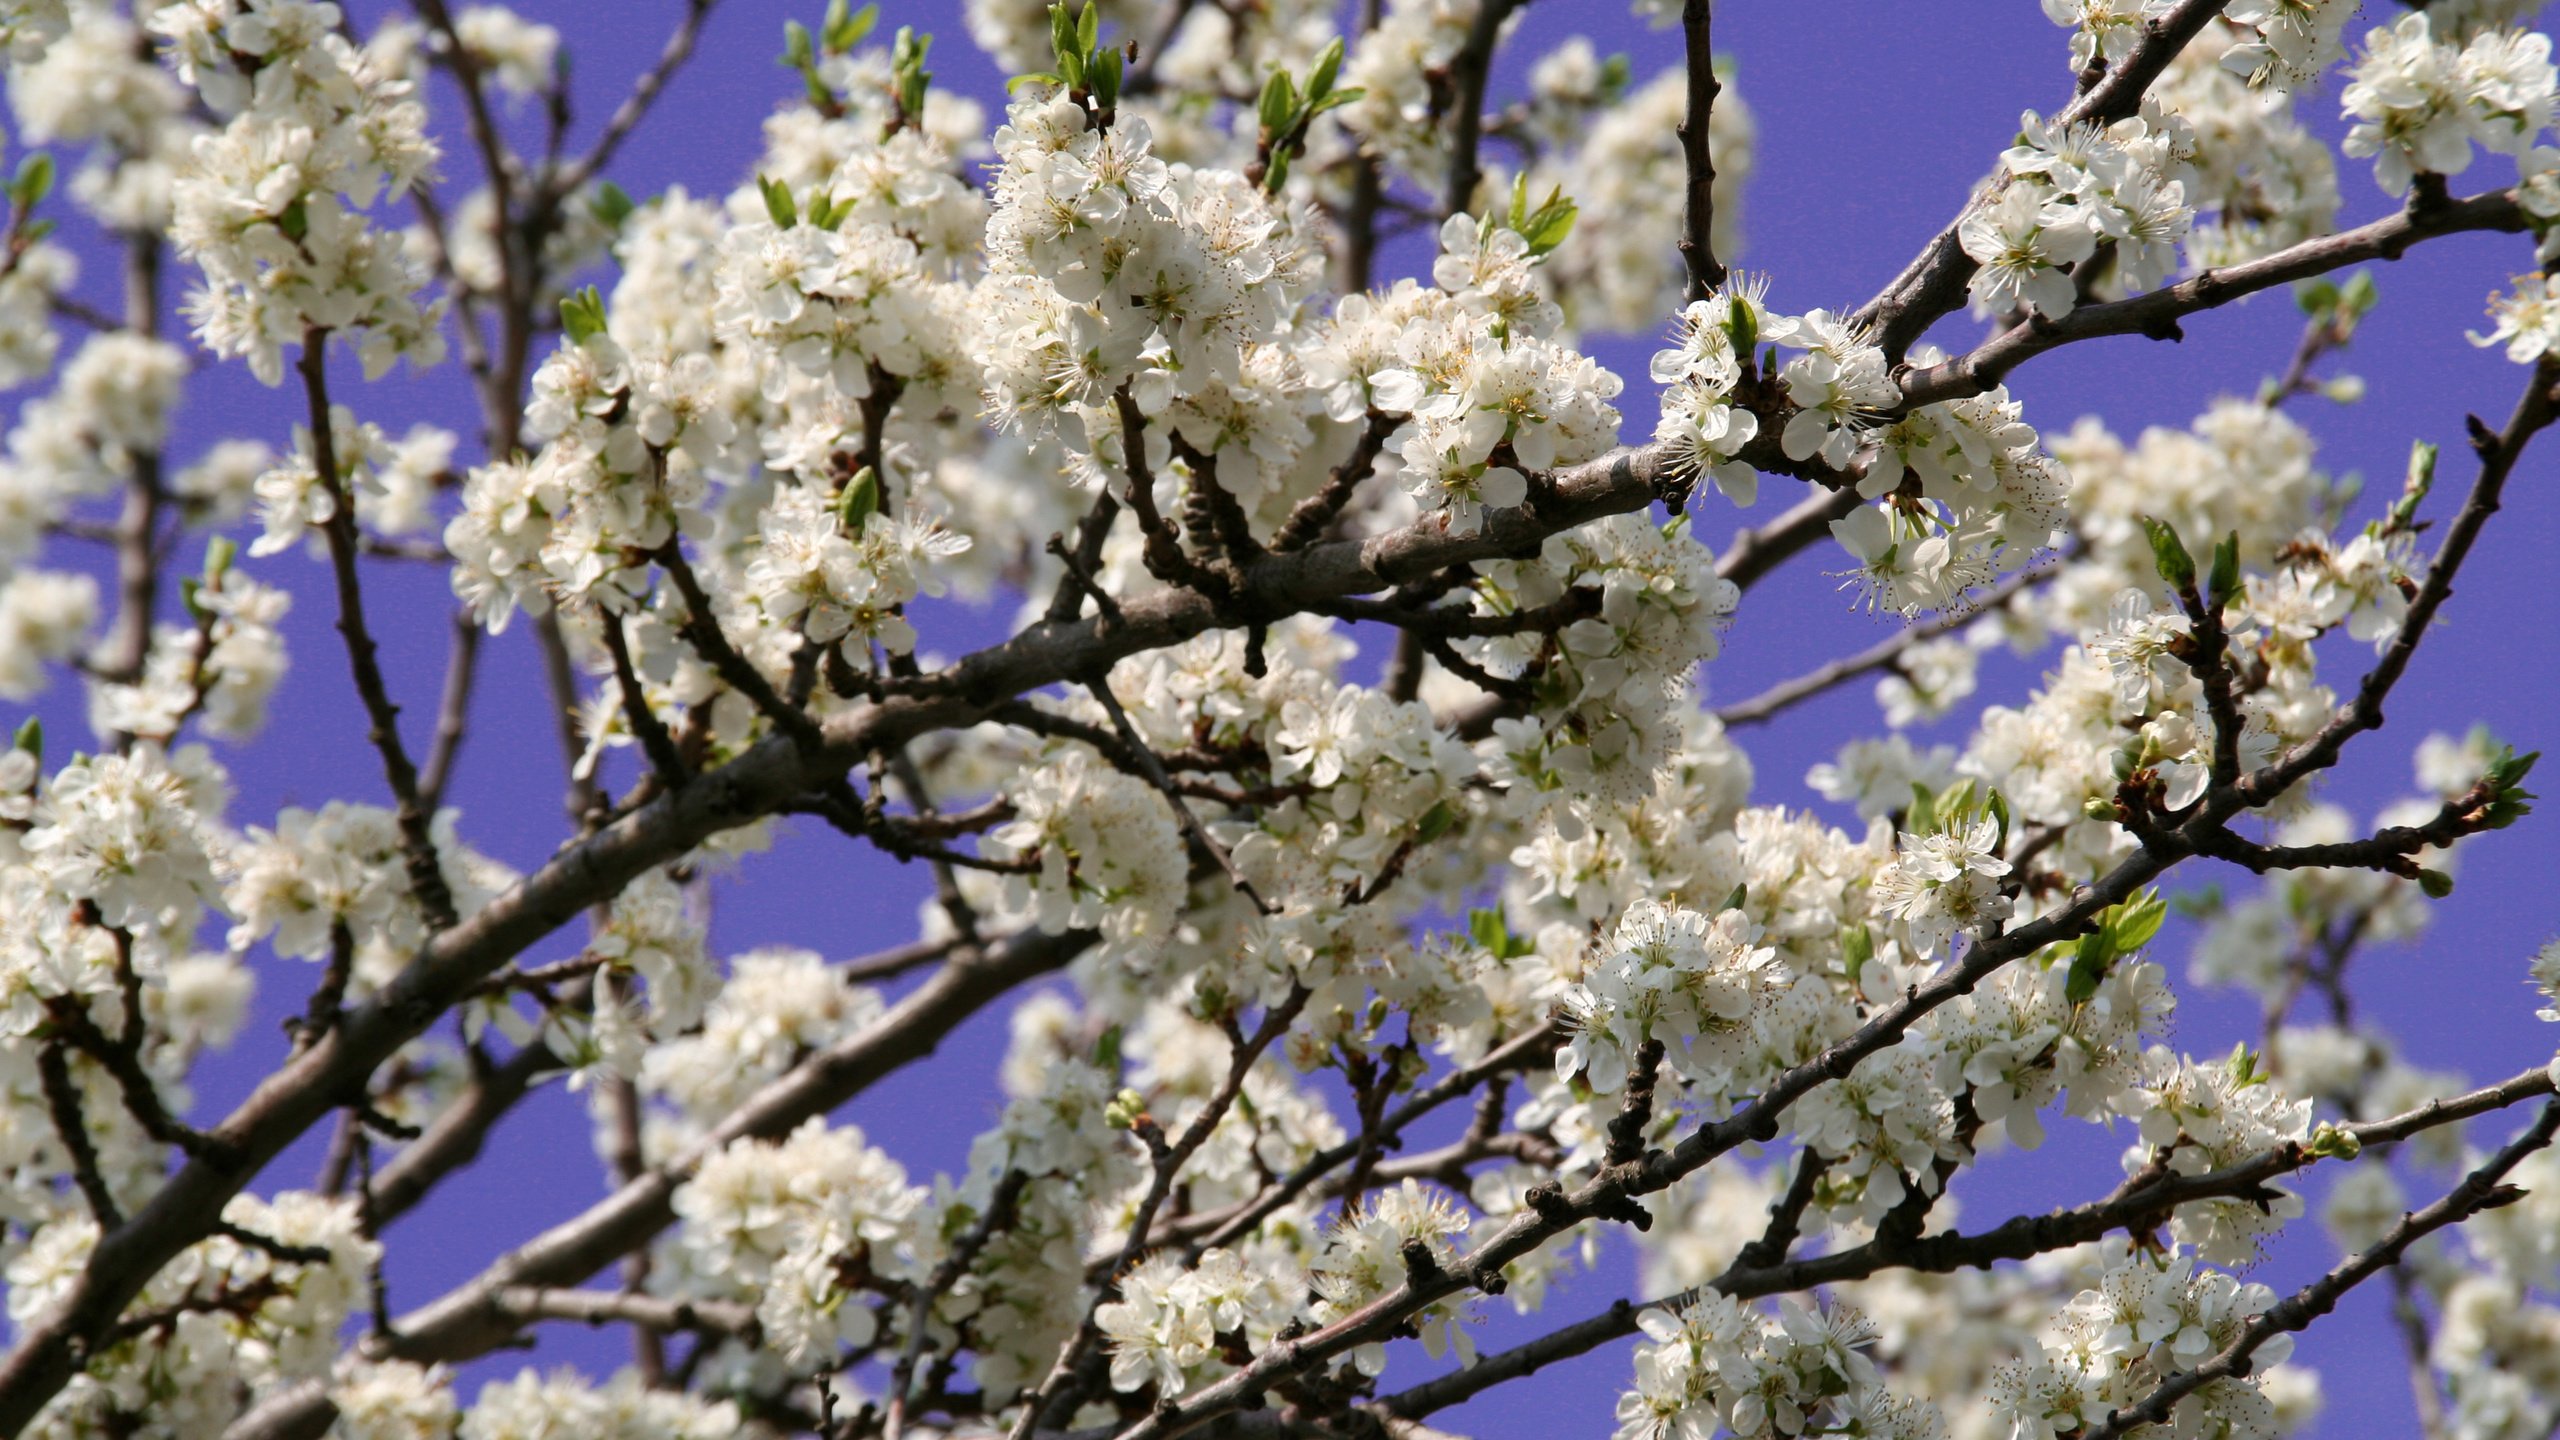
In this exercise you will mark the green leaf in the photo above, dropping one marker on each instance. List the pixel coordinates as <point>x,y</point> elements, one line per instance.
<point>1549,224</point>
<point>1335,100</point>
<point>2225,581</point>
<point>1436,822</point>
<point>1615,73</point>
<point>844,30</point>
<point>1922,817</point>
<point>1104,74</point>
<point>2359,296</point>
<point>1279,103</point>
<point>295,222</point>
<point>1857,947</point>
<point>1062,34</point>
<point>582,314</point>
<point>1106,1051</point>
<point>219,552</point>
<point>33,181</point>
<point>1740,896</point>
<point>1998,806</point>
<point>1487,928</point>
<point>611,205</point>
<point>2169,555</point>
<point>906,68</point>
<point>2134,922</point>
<point>2316,297</point>
<point>31,737</point>
<point>861,499</point>
<point>797,53</point>
<point>1036,77</point>
<point>2435,883</point>
<point>1328,67</point>
<point>777,202</point>
<point>1089,28</point>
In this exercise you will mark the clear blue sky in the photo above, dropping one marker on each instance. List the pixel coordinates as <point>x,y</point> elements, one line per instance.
<point>1874,119</point>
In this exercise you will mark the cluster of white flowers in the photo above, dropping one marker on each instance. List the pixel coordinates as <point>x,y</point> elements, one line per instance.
<point>1690,982</point>
<point>785,1224</point>
<point>1490,390</point>
<point>1166,1326</point>
<point>226,665</point>
<point>1106,849</point>
<point>2066,190</point>
<point>2145,1321</point>
<point>864,378</point>
<point>1364,1258</point>
<point>273,206</point>
<point>343,867</point>
<point>1945,882</point>
<point>2258,179</point>
<point>231,1313</point>
<point>2421,100</point>
<point>532,1407</point>
<point>1715,1365</point>
<point>1615,682</point>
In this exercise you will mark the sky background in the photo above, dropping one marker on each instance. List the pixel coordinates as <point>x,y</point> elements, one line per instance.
<point>1873,121</point>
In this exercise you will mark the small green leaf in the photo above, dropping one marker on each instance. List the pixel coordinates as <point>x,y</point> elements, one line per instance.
<point>2316,297</point>
<point>1922,817</point>
<point>2435,883</point>
<point>1740,896</point>
<point>861,499</point>
<point>295,222</point>
<point>1328,65</point>
<point>844,30</point>
<point>582,315</point>
<point>1104,73</point>
<point>33,181</point>
<point>2225,581</point>
<point>2132,924</point>
<point>1278,104</point>
<point>1857,947</point>
<point>777,202</point>
<point>1436,822</point>
<point>1106,1051</point>
<point>797,53</point>
<point>611,205</point>
<point>30,737</point>
<point>2169,555</point>
<point>219,552</point>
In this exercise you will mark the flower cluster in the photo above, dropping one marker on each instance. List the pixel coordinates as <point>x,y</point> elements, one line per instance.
<point>2145,1321</point>
<point>1716,1365</point>
<point>1689,982</point>
<point>272,206</point>
<point>2066,190</point>
<point>2421,100</point>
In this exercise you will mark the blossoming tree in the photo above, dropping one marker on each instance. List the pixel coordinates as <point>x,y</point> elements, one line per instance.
<point>1130,368</point>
